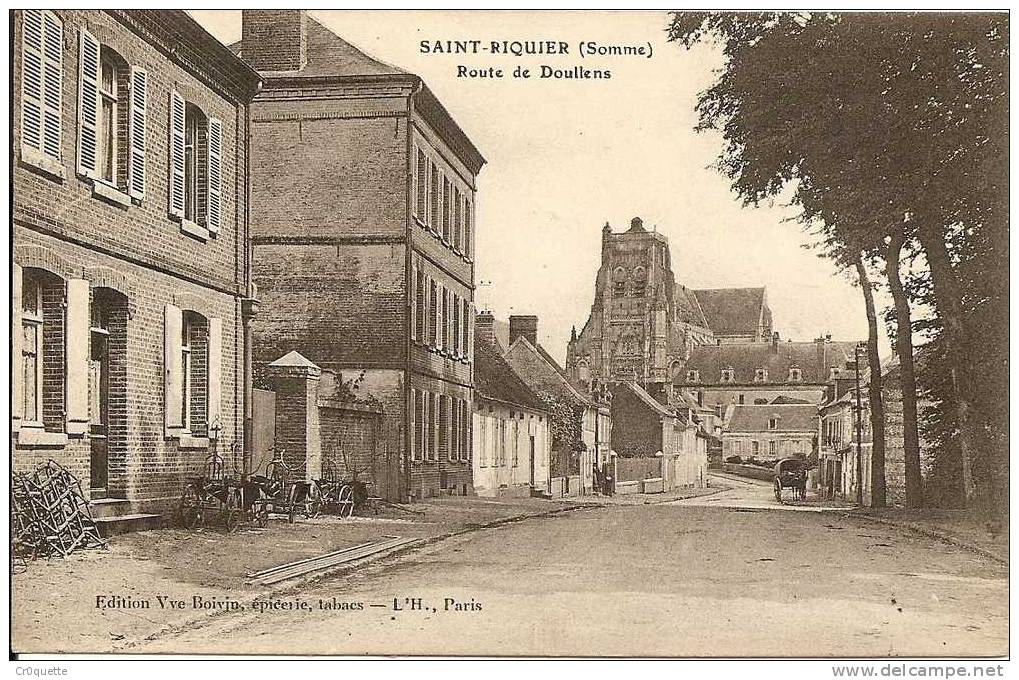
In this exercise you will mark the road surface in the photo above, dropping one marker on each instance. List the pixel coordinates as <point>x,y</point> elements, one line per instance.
<point>686,579</point>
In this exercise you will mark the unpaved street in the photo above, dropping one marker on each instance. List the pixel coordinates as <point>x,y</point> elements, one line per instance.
<point>684,579</point>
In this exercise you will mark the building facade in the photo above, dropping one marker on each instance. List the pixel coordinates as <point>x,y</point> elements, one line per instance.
<point>544,376</point>
<point>643,324</point>
<point>130,282</point>
<point>363,194</point>
<point>512,446</point>
<point>769,432</point>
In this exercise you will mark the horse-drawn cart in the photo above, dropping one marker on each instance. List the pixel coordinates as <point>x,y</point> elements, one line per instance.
<point>791,473</point>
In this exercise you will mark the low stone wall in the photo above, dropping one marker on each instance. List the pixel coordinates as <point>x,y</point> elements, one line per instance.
<point>750,471</point>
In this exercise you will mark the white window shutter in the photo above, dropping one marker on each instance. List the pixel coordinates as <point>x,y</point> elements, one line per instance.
<point>178,113</point>
<point>173,378</point>
<point>76,353</point>
<point>215,376</point>
<point>413,299</point>
<point>31,80</point>
<point>440,295</point>
<point>53,83</point>
<point>215,174</point>
<point>17,340</point>
<point>88,104</point>
<point>470,333</point>
<point>138,124</point>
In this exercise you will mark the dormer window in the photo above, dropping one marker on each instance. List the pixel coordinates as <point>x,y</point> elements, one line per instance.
<point>728,375</point>
<point>693,376</point>
<point>773,423</point>
<point>795,374</point>
<point>833,373</point>
<point>761,375</point>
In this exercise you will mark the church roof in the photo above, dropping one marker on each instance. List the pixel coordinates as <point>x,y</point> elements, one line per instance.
<point>789,417</point>
<point>814,359</point>
<point>688,307</point>
<point>496,379</point>
<point>732,311</point>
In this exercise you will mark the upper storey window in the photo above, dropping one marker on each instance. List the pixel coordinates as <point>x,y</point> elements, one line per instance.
<point>112,120</point>
<point>442,205</point>
<point>196,167</point>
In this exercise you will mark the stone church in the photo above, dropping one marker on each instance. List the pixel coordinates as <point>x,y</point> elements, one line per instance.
<point>643,325</point>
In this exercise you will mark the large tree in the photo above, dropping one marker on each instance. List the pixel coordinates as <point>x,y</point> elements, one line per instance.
<point>871,117</point>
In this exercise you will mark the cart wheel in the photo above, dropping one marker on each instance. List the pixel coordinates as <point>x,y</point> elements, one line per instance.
<point>345,501</point>
<point>231,518</point>
<point>778,491</point>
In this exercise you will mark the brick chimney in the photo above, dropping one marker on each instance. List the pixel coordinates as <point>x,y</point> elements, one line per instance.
<point>484,327</point>
<point>274,39</point>
<point>526,326</point>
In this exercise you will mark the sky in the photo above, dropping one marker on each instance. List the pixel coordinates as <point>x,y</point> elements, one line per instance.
<point>567,156</point>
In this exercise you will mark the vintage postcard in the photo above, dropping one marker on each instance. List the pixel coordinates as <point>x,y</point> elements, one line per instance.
<point>510,334</point>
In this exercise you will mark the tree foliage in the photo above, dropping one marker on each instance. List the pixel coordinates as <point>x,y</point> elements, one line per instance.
<point>885,125</point>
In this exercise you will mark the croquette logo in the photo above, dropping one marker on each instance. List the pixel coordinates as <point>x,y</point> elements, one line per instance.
<point>597,53</point>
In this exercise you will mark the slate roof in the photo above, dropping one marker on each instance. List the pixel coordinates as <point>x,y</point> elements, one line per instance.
<point>732,311</point>
<point>755,418</point>
<point>688,307</point>
<point>746,358</point>
<point>496,379</point>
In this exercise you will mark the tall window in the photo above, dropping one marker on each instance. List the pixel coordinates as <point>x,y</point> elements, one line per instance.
<point>422,186</point>
<point>483,451</point>
<point>772,448</point>
<point>109,91</point>
<point>194,350</point>
<point>419,303</point>
<point>447,208</point>
<point>468,247</point>
<point>194,134</point>
<point>502,441</point>
<point>457,220</point>
<point>31,349</point>
<point>433,319</point>
<point>755,447</point>
<point>516,443</point>
<point>436,194</point>
<point>42,75</point>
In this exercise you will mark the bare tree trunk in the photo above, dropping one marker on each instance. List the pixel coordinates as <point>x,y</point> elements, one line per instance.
<point>907,373</point>
<point>877,411</point>
<point>948,299</point>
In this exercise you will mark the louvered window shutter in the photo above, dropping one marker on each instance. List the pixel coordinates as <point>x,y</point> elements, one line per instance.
<point>215,174</point>
<point>215,376</point>
<point>76,355</point>
<point>17,340</point>
<point>412,300</point>
<point>53,51</point>
<point>173,380</point>
<point>31,80</point>
<point>137,124</point>
<point>178,113</point>
<point>466,329</point>
<point>440,298</point>
<point>88,105</point>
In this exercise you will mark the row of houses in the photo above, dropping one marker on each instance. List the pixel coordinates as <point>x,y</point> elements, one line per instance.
<point>257,250</point>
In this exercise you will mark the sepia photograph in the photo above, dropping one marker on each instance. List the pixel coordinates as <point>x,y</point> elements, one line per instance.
<point>559,334</point>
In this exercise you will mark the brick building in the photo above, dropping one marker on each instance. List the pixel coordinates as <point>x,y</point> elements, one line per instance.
<point>363,194</point>
<point>130,270</point>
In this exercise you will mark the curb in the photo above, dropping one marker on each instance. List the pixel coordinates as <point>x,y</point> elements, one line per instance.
<point>309,579</point>
<point>936,535</point>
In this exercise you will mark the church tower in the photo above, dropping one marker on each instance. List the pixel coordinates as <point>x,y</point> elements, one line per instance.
<point>641,319</point>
